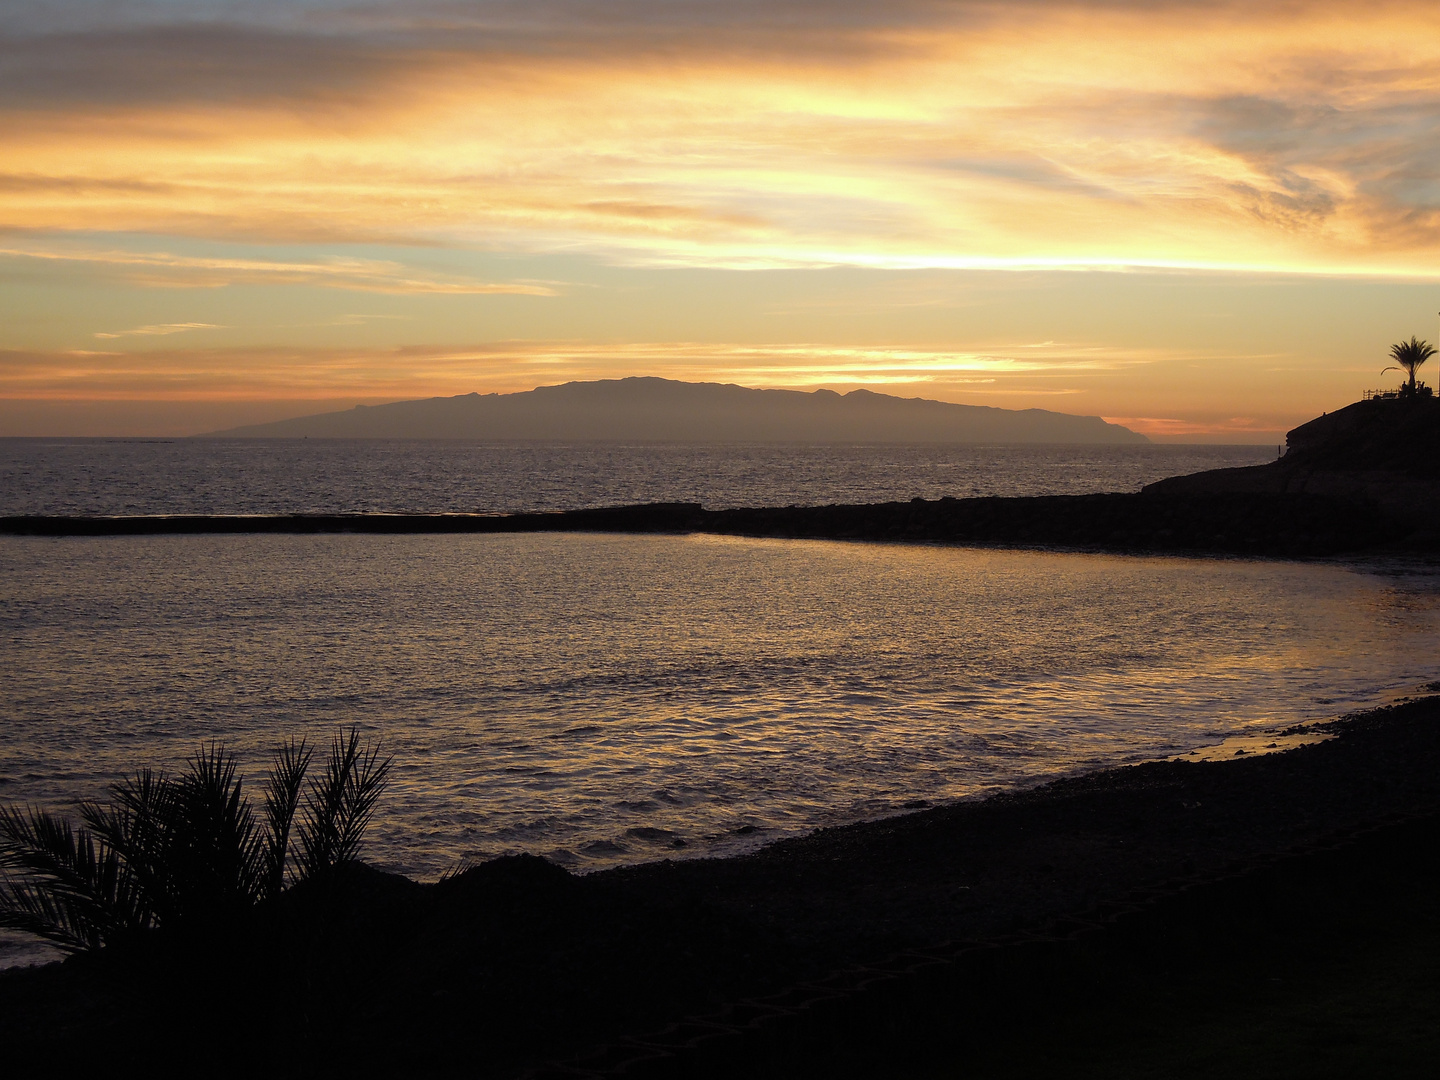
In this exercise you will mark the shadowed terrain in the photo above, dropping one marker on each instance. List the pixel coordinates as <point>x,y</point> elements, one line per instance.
<point>973,932</point>
<point>1384,453</point>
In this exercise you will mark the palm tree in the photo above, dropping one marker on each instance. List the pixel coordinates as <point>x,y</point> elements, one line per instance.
<point>174,852</point>
<point>1410,355</point>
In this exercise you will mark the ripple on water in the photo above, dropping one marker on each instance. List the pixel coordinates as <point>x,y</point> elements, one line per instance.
<point>606,699</point>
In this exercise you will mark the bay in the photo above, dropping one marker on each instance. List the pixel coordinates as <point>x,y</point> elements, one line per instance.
<point>603,699</point>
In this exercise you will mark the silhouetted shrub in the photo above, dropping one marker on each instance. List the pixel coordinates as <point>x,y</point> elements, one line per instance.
<point>168,852</point>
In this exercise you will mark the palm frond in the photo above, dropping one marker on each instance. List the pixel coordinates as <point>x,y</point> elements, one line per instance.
<point>339,805</point>
<point>1413,351</point>
<point>282,798</point>
<point>70,889</point>
<point>138,825</point>
<point>217,849</point>
<point>368,777</point>
<point>184,850</point>
<point>30,907</point>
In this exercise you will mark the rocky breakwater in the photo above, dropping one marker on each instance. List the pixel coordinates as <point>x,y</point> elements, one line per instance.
<point>1228,523</point>
<point>1364,480</point>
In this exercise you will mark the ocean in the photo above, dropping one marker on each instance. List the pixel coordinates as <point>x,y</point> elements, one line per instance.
<point>283,476</point>
<point>605,699</point>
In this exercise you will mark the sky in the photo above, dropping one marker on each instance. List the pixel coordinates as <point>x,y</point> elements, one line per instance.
<point>1205,221</point>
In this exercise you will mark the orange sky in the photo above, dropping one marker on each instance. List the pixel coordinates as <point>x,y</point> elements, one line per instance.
<point>1202,220</point>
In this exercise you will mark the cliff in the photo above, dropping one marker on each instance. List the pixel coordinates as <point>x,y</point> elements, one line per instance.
<point>1384,453</point>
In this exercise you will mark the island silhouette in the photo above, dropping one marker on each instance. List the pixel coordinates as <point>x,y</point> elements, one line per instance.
<point>649,409</point>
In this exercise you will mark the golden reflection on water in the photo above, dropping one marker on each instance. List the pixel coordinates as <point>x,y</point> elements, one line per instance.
<point>602,699</point>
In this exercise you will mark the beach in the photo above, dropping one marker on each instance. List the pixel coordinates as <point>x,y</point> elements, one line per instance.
<point>921,939</point>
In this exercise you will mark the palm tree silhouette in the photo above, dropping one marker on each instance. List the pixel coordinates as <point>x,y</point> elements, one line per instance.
<point>193,848</point>
<point>1410,355</point>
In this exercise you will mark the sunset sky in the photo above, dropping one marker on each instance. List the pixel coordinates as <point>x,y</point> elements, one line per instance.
<point>1205,221</point>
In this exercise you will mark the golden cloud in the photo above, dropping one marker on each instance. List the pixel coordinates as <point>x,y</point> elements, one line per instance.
<point>249,373</point>
<point>170,270</point>
<point>158,330</point>
<point>1294,137</point>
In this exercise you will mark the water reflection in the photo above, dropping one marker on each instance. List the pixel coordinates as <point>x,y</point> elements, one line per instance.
<point>603,699</point>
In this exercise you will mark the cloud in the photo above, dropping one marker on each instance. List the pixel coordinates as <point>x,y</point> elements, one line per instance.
<point>1294,136</point>
<point>159,330</point>
<point>167,269</point>
<point>1175,428</point>
<point>389,374</point>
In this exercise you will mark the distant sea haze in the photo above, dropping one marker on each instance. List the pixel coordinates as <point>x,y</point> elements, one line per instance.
<point>283,476</point>
<point>651,409</point>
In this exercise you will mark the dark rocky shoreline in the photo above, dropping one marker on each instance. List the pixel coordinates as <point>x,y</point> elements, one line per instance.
<point>517,963</point>
<point>1250,524</point>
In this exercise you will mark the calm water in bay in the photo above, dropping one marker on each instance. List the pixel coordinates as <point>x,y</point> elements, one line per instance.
<point>602,699</point>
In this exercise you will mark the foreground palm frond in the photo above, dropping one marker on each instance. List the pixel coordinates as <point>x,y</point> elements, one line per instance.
<point>341,804</point>
<point>137,825</point>
<point>173,851</point>
<point>71,887</point>
<point>282,799</point>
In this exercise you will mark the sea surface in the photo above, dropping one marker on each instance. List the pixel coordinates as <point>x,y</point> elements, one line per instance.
<point>603,699</point>
<point>606,699</point>
<point>283,476</point>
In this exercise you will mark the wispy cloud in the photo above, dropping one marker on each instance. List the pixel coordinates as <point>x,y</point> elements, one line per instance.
<point>509,366</point>
<point>159,330</point>
<point>366,275</point>
<point>1242,428</point>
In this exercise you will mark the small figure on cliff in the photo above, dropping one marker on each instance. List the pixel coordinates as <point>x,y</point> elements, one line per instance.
<point>1409,355</point>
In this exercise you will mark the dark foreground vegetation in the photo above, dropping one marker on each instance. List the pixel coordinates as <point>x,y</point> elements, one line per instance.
<point>188,854</point>
<point>1269,915</point>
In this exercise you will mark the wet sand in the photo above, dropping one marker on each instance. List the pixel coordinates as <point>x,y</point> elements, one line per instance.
<point>953,935</point>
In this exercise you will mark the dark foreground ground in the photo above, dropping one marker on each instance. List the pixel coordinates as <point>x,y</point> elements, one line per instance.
<point>1263,916</point>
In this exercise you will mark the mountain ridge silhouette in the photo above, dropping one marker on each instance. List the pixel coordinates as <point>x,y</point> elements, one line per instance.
<point>651,409</point>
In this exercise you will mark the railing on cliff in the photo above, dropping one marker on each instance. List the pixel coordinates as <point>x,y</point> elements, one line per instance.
<point>1421,391</point>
